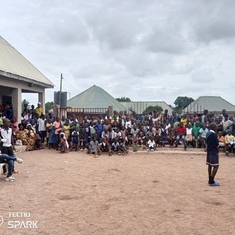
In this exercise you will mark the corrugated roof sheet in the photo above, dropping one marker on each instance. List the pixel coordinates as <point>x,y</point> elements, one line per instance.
<point>140,106</point>
<point>211,103</point>
<point>95,97</point>
<point>15,65</point>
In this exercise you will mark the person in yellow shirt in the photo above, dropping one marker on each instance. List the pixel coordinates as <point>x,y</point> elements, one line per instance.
<point>67,130</point>
<point>1,120</point>
<point>221,139</point>
<point>39,110</point>
<point>184,120</point>
<point>230,142</point>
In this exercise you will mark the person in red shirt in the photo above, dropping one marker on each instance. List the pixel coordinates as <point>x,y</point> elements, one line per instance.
<point>181,132</point>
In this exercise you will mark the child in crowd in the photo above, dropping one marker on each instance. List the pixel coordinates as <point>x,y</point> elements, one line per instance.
<point>58,127</point>
<point>163,140</point>
<point>93,147</point>
<point>64,146</point>
<point>75,139</point>
<point>115,147</point>
<point>151,144</point>
<point>195,131</point>
<point>48,124</point>
<point>181,131</point>
<point>104,146</point>
<point>122,147</point>
<point>82,136</point>
<point>202,132</point>
<point>51,134</point>
<point>221,139</point>
<point>189,135</point>
<point>134,133</point>
<point>171,136</point>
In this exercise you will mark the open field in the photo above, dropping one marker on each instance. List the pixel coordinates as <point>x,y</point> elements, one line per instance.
<point>142,193</point>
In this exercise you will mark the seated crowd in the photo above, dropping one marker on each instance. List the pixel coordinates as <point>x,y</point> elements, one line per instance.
<point>97,134</point>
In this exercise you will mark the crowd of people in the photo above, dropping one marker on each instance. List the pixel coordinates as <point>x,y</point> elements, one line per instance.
<point>116,133</point>
<point>98,134</point>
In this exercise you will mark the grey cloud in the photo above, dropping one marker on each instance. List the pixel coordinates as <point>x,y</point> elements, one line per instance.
<point>95,70</point>
<point>166,41</point>
<point>216,29</point>
<point>202,75</point>
<point>208,21</point>
<point>68,31</point>
<point>184,68</point>
<point>114,30</point>
<point>143,64</point>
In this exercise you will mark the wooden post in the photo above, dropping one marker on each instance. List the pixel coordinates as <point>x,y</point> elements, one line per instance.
<point>110,111</point>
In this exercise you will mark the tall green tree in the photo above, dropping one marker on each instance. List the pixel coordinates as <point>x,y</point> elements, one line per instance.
<point>48,106</point>
<point>151,108</point>
<point>123,99</point>
<point>182,102</point>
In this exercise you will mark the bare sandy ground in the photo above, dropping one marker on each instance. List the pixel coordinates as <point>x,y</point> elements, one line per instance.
<point>142,193</point>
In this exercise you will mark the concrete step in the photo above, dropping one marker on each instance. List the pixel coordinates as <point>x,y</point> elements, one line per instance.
<point>167,150</point>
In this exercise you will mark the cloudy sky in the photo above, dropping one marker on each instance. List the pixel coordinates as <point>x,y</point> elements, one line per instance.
<point>142,49</point>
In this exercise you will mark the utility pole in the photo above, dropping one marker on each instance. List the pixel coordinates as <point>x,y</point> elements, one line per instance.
<point>61,78</point>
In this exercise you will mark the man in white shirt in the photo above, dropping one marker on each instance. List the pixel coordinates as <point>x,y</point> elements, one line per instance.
<point>7,138</point>
<point>42,127</point>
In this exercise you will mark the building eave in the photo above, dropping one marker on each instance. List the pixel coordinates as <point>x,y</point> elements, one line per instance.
<point>25,79</point>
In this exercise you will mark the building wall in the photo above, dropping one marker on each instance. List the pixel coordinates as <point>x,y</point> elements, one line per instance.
<point>140,106</point>
<point>15,88</point>
<point>5,91</point>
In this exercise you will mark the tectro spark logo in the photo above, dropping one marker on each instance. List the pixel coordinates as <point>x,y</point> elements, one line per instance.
<point>21,220</point>
<point>1,221</point>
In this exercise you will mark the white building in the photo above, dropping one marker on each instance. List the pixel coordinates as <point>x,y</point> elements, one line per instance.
<point>17,76</point>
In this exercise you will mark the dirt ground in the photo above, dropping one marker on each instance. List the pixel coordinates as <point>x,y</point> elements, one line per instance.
<point>142,193</point>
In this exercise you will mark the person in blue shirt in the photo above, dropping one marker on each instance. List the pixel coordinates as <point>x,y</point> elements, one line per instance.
<point>9,111</point>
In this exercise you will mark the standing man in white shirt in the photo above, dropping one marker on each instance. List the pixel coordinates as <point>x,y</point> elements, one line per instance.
<point>42,127</point>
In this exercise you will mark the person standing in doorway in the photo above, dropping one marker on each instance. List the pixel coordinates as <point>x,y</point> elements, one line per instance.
<point>39,110</point>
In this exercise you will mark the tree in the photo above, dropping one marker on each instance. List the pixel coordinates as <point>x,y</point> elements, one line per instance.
<point>123,99</point>
<point>151,108</point>
<point>24,104</point>
<point>182,102</point>
<point>48,106</point>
